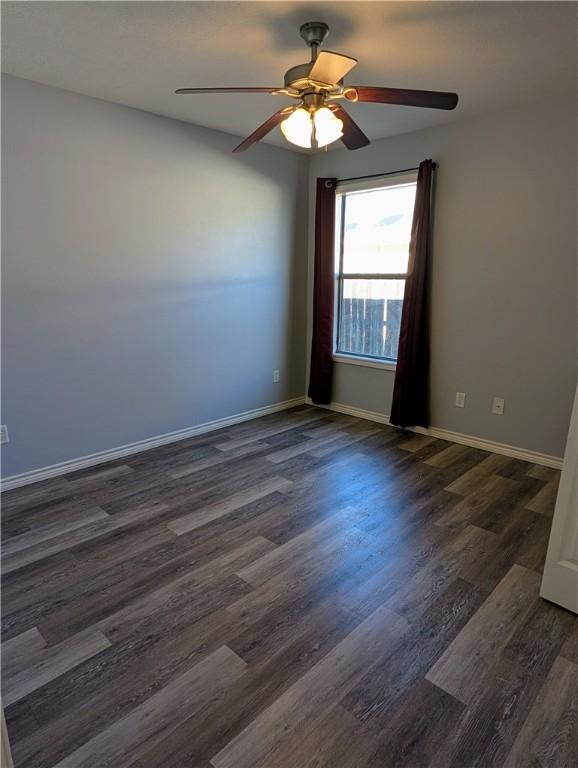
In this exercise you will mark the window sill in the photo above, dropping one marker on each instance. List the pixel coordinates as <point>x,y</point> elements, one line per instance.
<point>366,362</point>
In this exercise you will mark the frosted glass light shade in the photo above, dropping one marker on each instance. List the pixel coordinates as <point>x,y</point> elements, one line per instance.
<point>297,128</point>
<point>328,128</point>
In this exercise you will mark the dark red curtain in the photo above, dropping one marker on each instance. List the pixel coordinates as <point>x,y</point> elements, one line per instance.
<point>321,374</point>
<point>410,404</point>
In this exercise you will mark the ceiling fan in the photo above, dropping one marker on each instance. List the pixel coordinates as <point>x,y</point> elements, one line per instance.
<point>318,86</point>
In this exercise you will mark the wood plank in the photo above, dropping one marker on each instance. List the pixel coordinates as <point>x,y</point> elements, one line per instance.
<point>542,473</point>
<point>338,740</point>
<point>380,692</point>
<point>545,500</point>
<point>190,601</point>
<point>85,478</point>
<point>53,662</point>
<point>127,739</point>
<point>416,593</point>
<point>415,442</point>
<point>490,490</point>
<point>23,588</point>
<point>570,648</point>
<point>277,457</point>
<point>77,706</point>
<point>98,573</point>
<point>205,515</point>
<point>166,599</point>
<point>19,652</point>
<point>498,515</point>
<point>461,669</point>
<point>315,694</point>
<point>272,563</point>
<point>488,727</point>
<point>454,453</point>
<point>277,657</point>
<point>47,531</point>
<point>11,526</point>
<point>198,465</point>
<point>20,721</point>
<point>73,538</point>
<point>19,499</point>
<point>324,430</point>
<point>262,434</point>
<point>549,736</point>
<point>315,571</point>
<point>415,728</point>
<point>344,442</point>
<point>467,482</point>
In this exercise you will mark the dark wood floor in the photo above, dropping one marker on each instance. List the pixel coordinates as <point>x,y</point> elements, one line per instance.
<point>303,591</point>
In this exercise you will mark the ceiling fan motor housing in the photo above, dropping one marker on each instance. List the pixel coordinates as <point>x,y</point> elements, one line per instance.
<point>298,77</point>
<point>314,33</point>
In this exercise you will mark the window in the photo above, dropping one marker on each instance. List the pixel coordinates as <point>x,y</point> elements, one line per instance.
<point>373,228</point>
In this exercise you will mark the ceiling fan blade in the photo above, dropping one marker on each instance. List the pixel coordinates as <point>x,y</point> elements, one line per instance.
<point>407,97</point>
<point>264,129</point>
<point>353,137</point>
<point>331,67</point>
<point>226,90</point>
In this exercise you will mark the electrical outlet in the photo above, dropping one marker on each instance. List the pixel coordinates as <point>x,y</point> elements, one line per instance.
<point>498,406</point>
<point>4,434</point>
<point>276,376</point>
<point>460,399</point>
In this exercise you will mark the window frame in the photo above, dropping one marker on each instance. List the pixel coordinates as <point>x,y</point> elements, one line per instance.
<point>342,190</point>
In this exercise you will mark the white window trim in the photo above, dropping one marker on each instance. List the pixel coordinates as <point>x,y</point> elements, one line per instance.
<point>366,185</point>
<point>365,362</point>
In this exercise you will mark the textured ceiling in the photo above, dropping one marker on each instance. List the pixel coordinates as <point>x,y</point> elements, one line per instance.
<point>137,53</point>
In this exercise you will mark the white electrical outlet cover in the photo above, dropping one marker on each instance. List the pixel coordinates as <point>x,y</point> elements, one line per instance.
<point>498,406</point>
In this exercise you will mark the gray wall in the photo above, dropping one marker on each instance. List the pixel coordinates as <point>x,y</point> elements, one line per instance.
<point>151,280</point>
<point>504,282</point>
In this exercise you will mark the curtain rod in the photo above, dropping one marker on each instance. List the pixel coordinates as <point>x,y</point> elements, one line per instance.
<point>379,175</point>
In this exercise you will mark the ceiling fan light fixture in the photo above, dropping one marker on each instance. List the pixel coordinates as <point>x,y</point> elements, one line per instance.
<point>328,128</point>
<point>298,128</point>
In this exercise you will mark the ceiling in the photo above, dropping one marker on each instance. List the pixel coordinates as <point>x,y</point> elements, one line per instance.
<point>491,53</point>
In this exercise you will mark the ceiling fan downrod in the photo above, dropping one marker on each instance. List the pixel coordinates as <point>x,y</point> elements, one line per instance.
<point>314,34</point>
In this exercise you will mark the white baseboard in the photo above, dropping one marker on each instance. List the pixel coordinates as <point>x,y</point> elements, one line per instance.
<point>454,437</point>
<point>54,470</point>
<point>45,473</point>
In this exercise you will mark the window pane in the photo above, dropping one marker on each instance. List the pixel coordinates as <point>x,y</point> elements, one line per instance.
<point>377,230</point>
<point>369,317</point>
